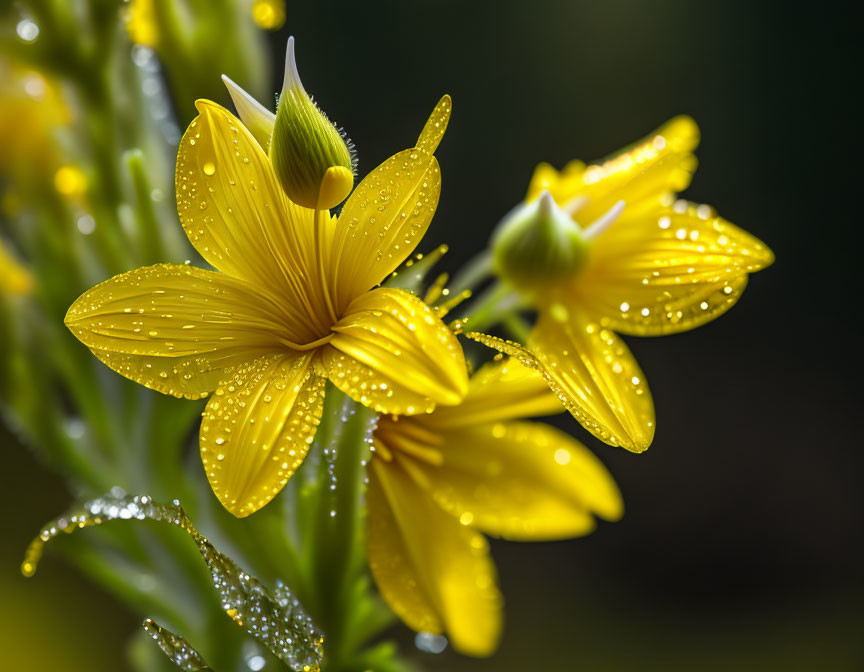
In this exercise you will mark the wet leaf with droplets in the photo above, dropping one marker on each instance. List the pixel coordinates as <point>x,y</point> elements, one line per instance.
<point>277,621</point>
<point>176,648</point>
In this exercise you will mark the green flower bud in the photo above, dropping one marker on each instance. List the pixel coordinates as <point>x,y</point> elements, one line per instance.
<point>538,245</point>
<point>312,160</point>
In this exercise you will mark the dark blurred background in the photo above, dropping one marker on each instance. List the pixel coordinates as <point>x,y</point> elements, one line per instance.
<point>741,546</point>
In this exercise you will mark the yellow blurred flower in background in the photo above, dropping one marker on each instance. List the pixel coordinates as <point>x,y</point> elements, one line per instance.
<point>268,14</point>
<point>141,23</point>
<point>621,254</point>
<point>15,279</point>
<point>142,19</point>
<point>290,308</point>
<point>437,481</point>
<point>31,112</point>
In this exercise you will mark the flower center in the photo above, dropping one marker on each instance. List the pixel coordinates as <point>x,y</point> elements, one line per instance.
<point>408,437</point>
<point>307,346</point>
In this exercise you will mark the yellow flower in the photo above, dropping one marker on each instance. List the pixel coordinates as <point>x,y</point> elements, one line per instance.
<point>290,308</point>
<point>142,19</point>
<point>651,265</point>
<point>142,24</point>
<point>31,112</point>
<point>14,278</point>
<point>437,481</point>
<point>268,14</point>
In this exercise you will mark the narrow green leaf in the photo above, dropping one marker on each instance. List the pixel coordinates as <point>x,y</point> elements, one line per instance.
<point>176,648</point>
<point>277,621</point>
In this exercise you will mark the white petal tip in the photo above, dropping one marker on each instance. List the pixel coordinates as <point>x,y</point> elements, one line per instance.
<point>604,221</point>
<point>545,202</point>
<point>575,204</point>
<point>292,76</point>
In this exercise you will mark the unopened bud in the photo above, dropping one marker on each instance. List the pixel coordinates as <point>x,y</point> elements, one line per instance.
<point>538,244</point>
<point>309,155</point>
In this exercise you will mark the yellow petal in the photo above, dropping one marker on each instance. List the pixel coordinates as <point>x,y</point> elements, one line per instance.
<point>561,184</point>
<point>175,329</point>
<point>523,481</point>
<point>237,216</point>
<point>435,126</point>
<point>383,220</point>
<point>257,429</point>
<point>640,175</point>
<point>435,573</point>
<point>397,355</point>
<point>668,271</point>
<point>390,560</point>
<point>371,388</point>
<point>598,377</point>
<point>593,373</point>
<point>500,391</point>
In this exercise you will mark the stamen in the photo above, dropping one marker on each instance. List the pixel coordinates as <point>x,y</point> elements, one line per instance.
<point>445,307</point>
<point>603,222</point>
<point>382,451</point>
<point>319,246</point>
<point>436,288</point>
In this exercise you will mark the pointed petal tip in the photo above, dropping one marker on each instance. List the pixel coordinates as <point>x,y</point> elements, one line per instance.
<point>683,128</point>
<point>292,75</point>
<point>436,125</point>
<point>546,202</point>
<point>69,318</point>
<point>476,645</point>
<point>638,444</point>
<point>764,258</point>
<point>204,104</point>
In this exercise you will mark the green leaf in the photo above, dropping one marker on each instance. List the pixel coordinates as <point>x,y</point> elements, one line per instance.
<point>276,620</point>
<point>176,648</point>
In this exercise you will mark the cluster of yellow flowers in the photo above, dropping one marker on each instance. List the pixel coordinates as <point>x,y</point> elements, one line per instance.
<point>295,302</point>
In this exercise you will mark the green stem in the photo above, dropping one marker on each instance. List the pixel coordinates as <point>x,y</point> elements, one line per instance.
<point>337,551</point>
<point>473,273</point>
<point>151,249</point>
<point>517,326</point>
<point>491,307</point>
